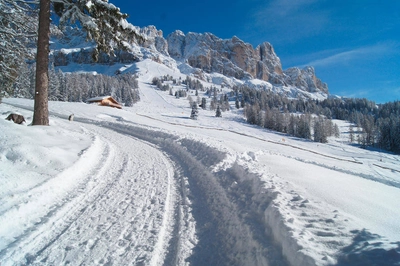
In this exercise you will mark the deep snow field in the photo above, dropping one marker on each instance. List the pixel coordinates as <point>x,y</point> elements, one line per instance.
<point>146,185</point>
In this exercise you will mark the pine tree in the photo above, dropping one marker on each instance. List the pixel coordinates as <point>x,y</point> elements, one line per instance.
<point>194,113</point>
<point>18,28</point>
<point>190,101</point>
<point>304,128</point>
<point>203,103</point>
<point>213,104</point>
<point>237,103</point>
<point>225,103</point>
<point>218,113</point>
<point>155,81</point>
<point>242,103</point>
<point>54,85</point>
<point>103,22</point>
<point>351,133</point>
<point>128,98</point>
<point>336,131</point>
<point>41,106</point>
<point>21,86</point>
<point>320,131</point>
<point>32,81</point>
<point>292,127</point>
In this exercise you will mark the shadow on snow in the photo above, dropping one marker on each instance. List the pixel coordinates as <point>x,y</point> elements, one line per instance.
<point>367,250</point>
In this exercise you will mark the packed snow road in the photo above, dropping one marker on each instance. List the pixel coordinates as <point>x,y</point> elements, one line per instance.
<point>142,197</point>
<point>113,206</point>
<point>224,220</point>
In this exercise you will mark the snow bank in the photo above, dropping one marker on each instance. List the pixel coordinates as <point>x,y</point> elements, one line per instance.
<point>38,152</point>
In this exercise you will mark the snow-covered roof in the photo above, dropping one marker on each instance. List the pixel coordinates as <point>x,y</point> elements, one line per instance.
<point>106,101</point>
<point>99,98</point>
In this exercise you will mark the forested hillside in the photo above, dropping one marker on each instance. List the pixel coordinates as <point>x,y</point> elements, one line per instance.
<point>379,125</point>
<point>372,125</point>
<point>78,87</point>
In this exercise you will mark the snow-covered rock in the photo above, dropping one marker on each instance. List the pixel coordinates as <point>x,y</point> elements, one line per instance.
<point>154,39</point>
<point>305,79</point>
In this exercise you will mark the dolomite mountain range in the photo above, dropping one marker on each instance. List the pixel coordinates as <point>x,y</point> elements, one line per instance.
<point>204,52</point>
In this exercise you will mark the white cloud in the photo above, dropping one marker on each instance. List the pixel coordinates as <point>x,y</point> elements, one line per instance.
<point>288,20</point>
<point>287,7</point>
<point>354,55</point>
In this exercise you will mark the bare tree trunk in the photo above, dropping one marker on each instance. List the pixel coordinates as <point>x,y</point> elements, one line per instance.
<point>41,108</point>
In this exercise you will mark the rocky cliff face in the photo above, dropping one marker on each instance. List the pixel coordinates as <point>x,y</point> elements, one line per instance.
<point>233,57</point>
<point>230,57</point>
<point>305,79</point>
<point>154,39</point>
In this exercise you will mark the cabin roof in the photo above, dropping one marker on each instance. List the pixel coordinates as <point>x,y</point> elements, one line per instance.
<point>105,100</point>
<point>99,98</point>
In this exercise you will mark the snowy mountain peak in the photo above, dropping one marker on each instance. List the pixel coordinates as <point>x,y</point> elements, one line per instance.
<point>235,58</point>
<point>206,54</point>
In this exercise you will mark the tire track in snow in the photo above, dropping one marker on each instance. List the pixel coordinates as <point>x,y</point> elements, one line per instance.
<point>23,196</point>
<point>158,259</point>
<point>43,202</point>
<point>119,213</point>
<point>181,225</point>
<point>229,231</point>
<point>125,223</point>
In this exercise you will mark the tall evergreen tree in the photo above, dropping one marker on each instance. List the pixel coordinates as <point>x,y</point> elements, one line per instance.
<point>320,131</point>
<point>41,107</point>
<point>213,103</point>
<point>218,113</point>
<point>18,28</point>
<point>351,133</point>
<point>103,22</point>
<point>194,113</point>
<point>190,100</point>
<point>242,103</point>
<point>336,131</point>
<point>304,127</point>
<point>203,103</point>
<point>237,103</point>
<point>22,84</point>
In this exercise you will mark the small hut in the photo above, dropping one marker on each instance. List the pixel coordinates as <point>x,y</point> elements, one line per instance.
<point>105,101</point>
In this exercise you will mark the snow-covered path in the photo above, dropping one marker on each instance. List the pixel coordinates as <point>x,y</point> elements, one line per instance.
<point>146,198</point>
<point>113,205</point>
<point>224,226</point>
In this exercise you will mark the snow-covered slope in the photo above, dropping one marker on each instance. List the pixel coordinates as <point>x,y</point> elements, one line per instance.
<point>146,185</point>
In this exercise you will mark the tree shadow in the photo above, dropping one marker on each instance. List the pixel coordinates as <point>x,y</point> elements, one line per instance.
<point>177,116</point>
<point>368,250</point>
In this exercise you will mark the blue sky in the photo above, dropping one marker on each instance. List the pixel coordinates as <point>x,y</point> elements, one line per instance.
<point>354,45</point>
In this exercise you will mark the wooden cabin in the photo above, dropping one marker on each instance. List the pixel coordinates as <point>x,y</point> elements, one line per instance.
<point>105,101</point>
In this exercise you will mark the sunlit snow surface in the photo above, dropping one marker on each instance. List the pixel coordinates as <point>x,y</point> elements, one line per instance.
<point>146,185</point>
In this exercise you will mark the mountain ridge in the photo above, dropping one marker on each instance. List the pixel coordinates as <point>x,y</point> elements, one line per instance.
<point>205,53</point>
